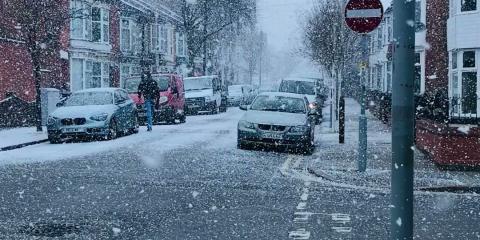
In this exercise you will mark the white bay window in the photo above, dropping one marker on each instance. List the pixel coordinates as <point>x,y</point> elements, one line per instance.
<point>87,73</point>
<point>464,83</point>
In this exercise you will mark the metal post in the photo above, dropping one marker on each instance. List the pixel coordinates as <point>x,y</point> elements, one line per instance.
<point>362,121</point>
<point>403,120</point>
<point>341,128</point>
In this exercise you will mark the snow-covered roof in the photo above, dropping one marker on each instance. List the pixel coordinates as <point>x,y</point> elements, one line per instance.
<point>111,90</point>
<point>282,94</point>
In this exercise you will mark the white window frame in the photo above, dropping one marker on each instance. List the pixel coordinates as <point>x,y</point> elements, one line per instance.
<point>104,24</point>
<point>129,36</point>
<point>459,7</point>
<point>458,72</point>
<point>181,44</point>
<point>163,38</point>
<point>86,28</point>
<point>155,37</point>
<point>87,72</point>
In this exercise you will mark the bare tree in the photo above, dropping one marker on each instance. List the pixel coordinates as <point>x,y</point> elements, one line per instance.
<point>328,42</point>
<point>204,22</point>
<point>39,24</point>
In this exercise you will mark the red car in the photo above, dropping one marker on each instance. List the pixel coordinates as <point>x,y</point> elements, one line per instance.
<point>171,104</point>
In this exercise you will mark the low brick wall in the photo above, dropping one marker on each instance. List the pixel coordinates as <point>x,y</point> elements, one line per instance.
<point>447,145</point>
<point>15,112</point>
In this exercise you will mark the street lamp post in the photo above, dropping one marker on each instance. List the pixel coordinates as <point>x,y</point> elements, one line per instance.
<point>403,114</point>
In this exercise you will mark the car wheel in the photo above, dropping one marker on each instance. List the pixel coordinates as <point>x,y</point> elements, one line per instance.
<point>241,145</point>
<point>171,120</point>
<point>54,139</point>
<point>183,118</point>
<point>136,126</point>
<point>112,130</point>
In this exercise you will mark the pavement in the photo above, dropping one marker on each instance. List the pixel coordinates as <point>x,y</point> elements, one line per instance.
<point>339,162</point>
<point>15,138</point>
<point>189,181</point>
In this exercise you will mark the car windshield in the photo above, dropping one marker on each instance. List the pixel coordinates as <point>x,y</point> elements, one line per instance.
<point>279,104</point>
<point>198,83</point>
<point>235,90</point>
<point>298,87</point>
<point>276,120</point>
<point>131,84</point>
<point>89,98</point>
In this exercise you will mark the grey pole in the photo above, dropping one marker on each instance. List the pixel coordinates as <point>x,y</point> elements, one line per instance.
<point>403,120</point>
<point>362,133</point>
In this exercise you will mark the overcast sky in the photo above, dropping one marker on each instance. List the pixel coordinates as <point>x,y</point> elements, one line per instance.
<point>279,19</point>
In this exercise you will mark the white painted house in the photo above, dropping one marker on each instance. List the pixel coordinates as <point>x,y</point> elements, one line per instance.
<point>381,51</point>
<point>464,54</point>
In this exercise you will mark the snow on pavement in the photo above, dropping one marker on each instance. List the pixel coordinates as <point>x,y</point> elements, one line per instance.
<point>204,128</point>
<point>15,136</point>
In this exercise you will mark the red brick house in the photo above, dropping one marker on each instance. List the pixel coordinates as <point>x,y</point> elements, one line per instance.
<point>450,131</point>
<point>98,46</point>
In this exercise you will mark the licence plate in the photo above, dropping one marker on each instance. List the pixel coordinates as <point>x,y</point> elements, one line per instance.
<point>73,130</point>
<point>277,136</point>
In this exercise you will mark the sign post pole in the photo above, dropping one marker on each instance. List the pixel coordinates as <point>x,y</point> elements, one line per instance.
<point>363,17</point>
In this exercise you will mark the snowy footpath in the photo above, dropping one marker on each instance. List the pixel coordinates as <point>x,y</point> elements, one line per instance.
<point>16,136</point>
<point>338,162</point>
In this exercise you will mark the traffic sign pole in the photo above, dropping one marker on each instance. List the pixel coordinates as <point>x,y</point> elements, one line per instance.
<point>363,16</point>
<point>403,114</point>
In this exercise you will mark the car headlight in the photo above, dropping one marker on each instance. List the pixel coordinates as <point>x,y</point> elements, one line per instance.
<point>163,99</point>
<point>52,120</point>
<point>245,124</point>
<point>299,129</point>
<point>99,117</point>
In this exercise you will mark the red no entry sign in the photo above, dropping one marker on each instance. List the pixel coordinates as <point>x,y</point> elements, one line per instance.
<point>363,16</point>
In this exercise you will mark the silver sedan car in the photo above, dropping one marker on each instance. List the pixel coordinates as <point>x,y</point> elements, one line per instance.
<point>277,119</point>
<point>95,113</point>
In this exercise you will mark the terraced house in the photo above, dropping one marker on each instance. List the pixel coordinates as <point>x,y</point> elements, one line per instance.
<point>101,43</point>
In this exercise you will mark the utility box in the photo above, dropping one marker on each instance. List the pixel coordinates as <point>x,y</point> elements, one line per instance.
<point>49,97</point>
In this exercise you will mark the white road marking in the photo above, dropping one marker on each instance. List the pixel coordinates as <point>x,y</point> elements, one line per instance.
<point>342,229</point>
<point>301,205</point>
<point>341,218</point>
<point>299,234</point>
<point>304,196</point>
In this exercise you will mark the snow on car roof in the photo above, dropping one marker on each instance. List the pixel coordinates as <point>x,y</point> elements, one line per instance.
<point>281,94</point>
<point>202,77</point>
<point>298,79</point>
<point>98,90</point>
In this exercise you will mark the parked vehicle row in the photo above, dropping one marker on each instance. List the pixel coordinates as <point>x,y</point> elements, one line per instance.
<point>205,95</point>
<point>171,104</point>
<point>312,88</point>
<point>280,120</point>
<point>241,94</point>
<point>94,113</point>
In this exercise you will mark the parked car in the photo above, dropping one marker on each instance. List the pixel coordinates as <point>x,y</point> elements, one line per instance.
<point>95,113</point>
<point>277,119</point>
<point>309,88</point>
<point>205,94</point>
<point>171,106</point>
<point>236,95</point>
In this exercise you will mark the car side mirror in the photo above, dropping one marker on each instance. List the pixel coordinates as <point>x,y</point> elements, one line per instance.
<point>243,107</point>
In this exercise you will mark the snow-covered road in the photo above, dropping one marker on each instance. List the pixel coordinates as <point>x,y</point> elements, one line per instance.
<point>191,182</point>
<point>217,130</point>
